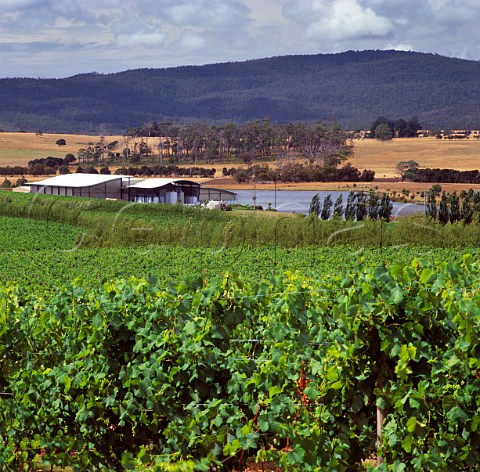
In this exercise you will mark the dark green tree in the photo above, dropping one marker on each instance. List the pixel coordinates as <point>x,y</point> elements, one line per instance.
<point>476,204</point>
<point>6,184</point>
<point>443,210</point>
<point>466,212</point>
<point>431,209</point>
<point>338,207</point>
<point>412,127</point>
<point>386,208</point>
<point>383,132</point>
<point>350,206</point>
<point>373,208</point>
<point>381,120</point>
<point>315,206</point>
<point>361,206</point>
<point>401,128</point>
<point>454,214</point>
<point>407,169</point>
<point>326,212</point>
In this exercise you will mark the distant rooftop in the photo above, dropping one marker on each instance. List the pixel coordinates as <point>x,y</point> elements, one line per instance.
<point>159,182</point>
<point>78,180</point>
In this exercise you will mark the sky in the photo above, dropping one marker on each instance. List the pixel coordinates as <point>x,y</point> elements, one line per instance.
<point>61,38</point>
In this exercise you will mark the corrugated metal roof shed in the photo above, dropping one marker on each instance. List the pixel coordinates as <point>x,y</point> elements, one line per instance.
<point>78,180</point>
<point>159,182</point>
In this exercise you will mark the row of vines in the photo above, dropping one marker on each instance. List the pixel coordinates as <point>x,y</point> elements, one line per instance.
<point>292,370</point>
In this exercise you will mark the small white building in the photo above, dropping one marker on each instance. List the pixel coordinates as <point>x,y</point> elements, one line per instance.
<point>159,190</point>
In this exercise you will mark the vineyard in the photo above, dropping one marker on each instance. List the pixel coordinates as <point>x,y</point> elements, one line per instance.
<point>289,370</point>
<point>174,357</point>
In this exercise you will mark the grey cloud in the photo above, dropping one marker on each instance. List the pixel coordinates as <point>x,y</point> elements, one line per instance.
<point>16,5</point>
<point>30,16</point>
<point>338,20</point>
<point>192,40</point>
<point>37,47</point>
<point>448,27</point>
<point>113,34</point>
<point>207,13</point>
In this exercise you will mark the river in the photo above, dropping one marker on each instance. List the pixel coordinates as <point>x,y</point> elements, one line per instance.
<point>299,200</point>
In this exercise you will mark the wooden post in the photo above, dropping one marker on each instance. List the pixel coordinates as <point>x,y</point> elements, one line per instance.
<point>380,419</point>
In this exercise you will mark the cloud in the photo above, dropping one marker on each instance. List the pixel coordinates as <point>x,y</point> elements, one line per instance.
<point>15,5</point>
<point>208,13</point>
<point>118,35</point>
<point>154,38</point>
<point>192,40</point>
<point>399,46</point>
<point>337,20</point>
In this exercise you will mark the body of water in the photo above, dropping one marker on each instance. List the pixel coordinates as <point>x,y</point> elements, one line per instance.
<point>299,200</point>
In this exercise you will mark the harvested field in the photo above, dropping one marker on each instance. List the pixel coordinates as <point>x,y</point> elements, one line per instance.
<point>16,149</point>
<point>382,157</point>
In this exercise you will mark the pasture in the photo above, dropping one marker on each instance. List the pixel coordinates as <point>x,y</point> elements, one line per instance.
<point>16,149</point>
<point>382,157</point>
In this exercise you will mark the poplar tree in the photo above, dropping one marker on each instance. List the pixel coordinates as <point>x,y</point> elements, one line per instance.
<point>338,207</point>
<point>350,206</point>
<point>443,211</point>
<point>315,206</point>
<point>327,208</point>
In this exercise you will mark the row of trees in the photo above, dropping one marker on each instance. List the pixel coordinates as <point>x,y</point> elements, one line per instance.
<point>359,206</point>
<point>148,171</point>
<point>166,171</point>
<point>410,170</point>
<point>253,141</point>
<point>384,128</point>
<point>447,175</point>
<point>453,207</point>
<point>299,172</point>
<point>53,161</point>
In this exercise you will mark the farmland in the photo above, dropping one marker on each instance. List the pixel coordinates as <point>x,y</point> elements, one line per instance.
<point>170,338</point>
<point>382,157</point>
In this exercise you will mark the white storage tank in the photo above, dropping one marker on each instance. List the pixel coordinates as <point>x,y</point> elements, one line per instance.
<point>171,197</point>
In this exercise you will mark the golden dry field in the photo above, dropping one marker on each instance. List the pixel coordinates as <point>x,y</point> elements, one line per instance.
<point>382,157</point>
<point>19,148</point>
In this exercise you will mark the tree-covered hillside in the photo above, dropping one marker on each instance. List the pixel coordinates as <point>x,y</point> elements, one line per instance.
<point>353,87</point>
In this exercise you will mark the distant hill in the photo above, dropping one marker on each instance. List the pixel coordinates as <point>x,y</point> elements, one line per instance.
<point>353,87</point>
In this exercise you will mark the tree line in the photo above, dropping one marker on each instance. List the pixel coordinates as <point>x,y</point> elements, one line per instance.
<point>410,170</point>
<point>258,140</point>
<point>463,207</point>
<point>43,166</point>
<point>359,206</point>
<point>384,128</point>
<point>299,172</point>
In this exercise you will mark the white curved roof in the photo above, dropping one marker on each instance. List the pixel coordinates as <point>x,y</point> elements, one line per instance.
<point>159,182</point>
<point>78,180</point>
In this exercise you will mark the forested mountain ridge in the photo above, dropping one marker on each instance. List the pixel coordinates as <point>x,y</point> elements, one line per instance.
<point>353,87</point>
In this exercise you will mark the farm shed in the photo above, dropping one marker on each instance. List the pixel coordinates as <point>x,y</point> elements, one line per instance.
<point>159,190</point>
<point>84,185</point>
<point>217,194</point>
